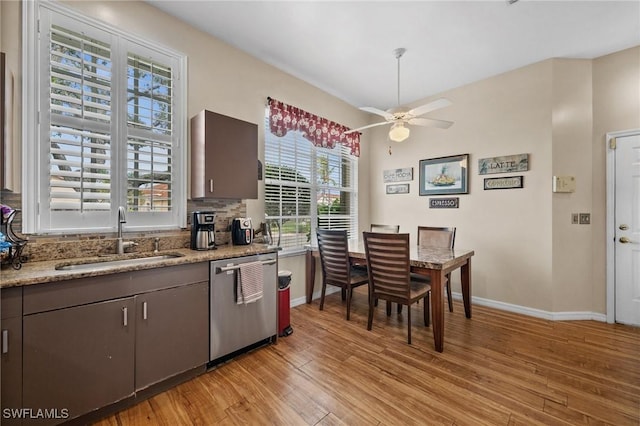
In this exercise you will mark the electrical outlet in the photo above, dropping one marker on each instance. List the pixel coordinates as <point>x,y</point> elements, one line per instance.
<point>575,218</point>
<point>585,218</point>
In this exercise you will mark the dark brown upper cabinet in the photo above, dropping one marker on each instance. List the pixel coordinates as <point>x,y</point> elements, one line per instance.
<point>224,157</point>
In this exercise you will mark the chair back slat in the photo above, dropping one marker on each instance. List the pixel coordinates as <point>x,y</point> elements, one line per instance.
<point>388,264</point>
<point>436,236</point>
<point>392,229</point>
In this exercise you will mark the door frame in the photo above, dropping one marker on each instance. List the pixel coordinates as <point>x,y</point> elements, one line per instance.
<point>610,221</point>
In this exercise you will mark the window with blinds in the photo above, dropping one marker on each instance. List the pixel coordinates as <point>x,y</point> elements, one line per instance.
<point>308,187</point>
<point>110,112</point>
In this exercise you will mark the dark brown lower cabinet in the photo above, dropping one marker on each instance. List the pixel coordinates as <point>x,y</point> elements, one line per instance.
<point>91,342</point>
<point>11,355</point>
<point>78,359</point>
<point>11,370</point>
<point>172,332</point>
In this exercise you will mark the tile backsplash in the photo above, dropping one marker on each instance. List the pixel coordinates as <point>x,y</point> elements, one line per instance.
<point>53,247</point>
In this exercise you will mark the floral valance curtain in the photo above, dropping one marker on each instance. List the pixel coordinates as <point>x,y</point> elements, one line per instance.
<point>318,130</point>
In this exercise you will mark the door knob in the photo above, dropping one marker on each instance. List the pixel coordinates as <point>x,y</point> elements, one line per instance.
<point>623,227</point>
<point>624,240</point>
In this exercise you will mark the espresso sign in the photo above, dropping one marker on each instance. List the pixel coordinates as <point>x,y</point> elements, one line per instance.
<point>398,175</point>
<point>504,183</point>
<point>506,164</point>
<point>444,203</point>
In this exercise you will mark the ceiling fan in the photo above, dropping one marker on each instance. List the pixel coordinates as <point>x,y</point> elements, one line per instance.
<point>399,117</point>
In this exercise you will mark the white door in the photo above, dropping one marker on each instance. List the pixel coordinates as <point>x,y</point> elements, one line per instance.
<point>627,232</point>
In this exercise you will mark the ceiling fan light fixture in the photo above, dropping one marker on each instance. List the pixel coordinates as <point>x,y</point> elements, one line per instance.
<point>399,132</point>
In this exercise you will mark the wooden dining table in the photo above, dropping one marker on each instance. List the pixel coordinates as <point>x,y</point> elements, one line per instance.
<point>434,262</point>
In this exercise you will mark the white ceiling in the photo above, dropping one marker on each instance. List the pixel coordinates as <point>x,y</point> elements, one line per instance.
<point>346,48</point>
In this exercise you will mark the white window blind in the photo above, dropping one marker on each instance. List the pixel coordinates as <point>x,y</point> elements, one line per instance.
<point>307,187</point>
<point>110,110</point>
<point>80,71</point>
<point>149,131</point>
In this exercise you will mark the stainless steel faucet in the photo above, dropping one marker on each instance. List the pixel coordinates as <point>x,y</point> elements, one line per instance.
<point>121,246</point>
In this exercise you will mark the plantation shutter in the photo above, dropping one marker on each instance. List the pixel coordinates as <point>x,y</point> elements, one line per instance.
<point>80,69</point>
<point>149,134</point>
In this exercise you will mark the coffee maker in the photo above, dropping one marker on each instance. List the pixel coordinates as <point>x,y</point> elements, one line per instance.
<point>203,231</point>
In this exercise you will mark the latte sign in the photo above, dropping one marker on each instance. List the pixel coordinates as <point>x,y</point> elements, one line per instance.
<point>505,164</point>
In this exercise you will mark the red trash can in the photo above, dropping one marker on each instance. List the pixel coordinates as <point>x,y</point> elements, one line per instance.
<point>284,303</point>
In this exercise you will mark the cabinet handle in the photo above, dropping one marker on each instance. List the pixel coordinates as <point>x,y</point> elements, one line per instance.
<point>125,316</point>
<point>211,185</point>
<point>5,341</point>
<point>144,310</point>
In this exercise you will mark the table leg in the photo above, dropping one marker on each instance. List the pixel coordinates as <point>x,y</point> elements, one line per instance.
<point>465,275</point>
<point>310,274</point>
<point>437,308</point>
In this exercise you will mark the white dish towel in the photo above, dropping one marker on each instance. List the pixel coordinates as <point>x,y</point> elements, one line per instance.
<point>250,282</point>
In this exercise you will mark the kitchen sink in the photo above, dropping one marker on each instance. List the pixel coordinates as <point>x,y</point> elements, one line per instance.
<point>110,262</point>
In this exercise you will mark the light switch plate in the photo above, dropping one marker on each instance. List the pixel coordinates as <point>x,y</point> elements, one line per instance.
<point>564,184</point>
<point>575,218</point>
<point>585,218</point>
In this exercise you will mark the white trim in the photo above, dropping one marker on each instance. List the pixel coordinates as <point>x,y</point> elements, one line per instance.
<point>610,221</point>
<point>516,309</point>
<point>29,115</point>
<point>532,312</point>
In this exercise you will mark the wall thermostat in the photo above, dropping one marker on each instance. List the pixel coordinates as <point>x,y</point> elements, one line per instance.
<point>564,184</point>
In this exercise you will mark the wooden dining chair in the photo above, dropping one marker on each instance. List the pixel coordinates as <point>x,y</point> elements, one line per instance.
<point>336,267</point>
<point>390,277</point>
<point>430,236</point>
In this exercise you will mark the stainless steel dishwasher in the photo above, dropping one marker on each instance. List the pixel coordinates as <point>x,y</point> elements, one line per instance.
<point>235,327</point>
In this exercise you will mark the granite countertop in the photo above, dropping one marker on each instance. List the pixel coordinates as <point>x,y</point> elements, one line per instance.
<point>46,272</point>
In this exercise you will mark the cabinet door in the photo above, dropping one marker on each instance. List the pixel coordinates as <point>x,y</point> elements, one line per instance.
<point>11,352</point>
<point>172,332</point>
<point>11,368</point>
<point>79,358</point>
<point>224,157</point>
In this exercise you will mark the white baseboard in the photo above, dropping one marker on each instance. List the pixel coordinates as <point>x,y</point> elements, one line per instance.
<point>537,313</point>
<point>302,300</point>
<point>532,312</point>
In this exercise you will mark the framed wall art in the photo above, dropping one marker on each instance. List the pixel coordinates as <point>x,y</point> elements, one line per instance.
<point>444,175</point>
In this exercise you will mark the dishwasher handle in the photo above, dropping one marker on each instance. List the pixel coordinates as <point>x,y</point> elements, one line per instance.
<point>222,269</point>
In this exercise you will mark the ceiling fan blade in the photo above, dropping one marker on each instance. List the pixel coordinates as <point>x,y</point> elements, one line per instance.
<point>431,106</point>
<point>431,122</point>
<point>377,111</point>
<point>366,127</point>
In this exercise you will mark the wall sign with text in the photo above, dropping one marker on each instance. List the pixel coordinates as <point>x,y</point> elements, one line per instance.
<point>505,164</point>
<point>444,203</point>
<point>399,188</point>
<point>510,182</point>
<point>398,175</point>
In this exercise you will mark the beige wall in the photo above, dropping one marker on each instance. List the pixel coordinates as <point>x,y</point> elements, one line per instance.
<point>527,251</point>
<point>508,229</point>
<point>557,111</point>
<point>571,152</point>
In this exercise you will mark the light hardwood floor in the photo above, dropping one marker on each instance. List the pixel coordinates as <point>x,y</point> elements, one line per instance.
<point>497,368</point>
